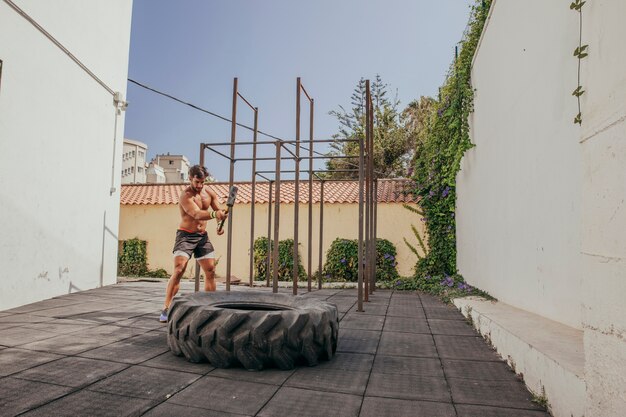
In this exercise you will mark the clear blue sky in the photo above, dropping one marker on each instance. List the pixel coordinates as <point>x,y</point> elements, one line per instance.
<point>192,50</point>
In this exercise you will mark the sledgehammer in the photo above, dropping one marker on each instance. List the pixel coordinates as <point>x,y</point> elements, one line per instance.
<point>232,195</point>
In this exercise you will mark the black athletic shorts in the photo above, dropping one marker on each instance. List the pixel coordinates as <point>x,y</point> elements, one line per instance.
<point>198,244</point>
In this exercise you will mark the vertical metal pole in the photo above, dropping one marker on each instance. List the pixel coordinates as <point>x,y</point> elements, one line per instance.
<point>319,279</point>
<point>276,220</point>
<point>360,256</point>
<point>296,207</point>
<point>253,197</point>
<point>375,224</point>
<point>372,238</point>
<point>202,146</point>
<point>268,269</point>
<point>196,287</point>
<point>368,98</point>
<point>233,132</point>
<point>310,246</point>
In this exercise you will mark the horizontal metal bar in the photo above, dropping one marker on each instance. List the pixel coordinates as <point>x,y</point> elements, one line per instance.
<point>287,142</point>
<point>317,170</point>
<point>285,158</point>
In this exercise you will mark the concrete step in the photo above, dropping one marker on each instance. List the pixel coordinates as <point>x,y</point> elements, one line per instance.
<point>549,355</point>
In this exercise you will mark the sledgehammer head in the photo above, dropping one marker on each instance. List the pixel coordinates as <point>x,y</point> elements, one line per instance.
<point>232,195</point>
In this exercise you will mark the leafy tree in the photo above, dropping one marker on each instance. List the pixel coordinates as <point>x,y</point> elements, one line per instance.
<point>392,146</point>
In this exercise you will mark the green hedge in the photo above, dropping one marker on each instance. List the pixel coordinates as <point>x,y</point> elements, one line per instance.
<point>133,260</point>
<point>285,260</point>
<point>342,261</point>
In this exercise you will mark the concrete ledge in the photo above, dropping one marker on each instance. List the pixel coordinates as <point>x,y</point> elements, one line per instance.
<point>549,355</point>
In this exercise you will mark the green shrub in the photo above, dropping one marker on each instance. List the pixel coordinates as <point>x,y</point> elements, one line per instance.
<point>157,273</point>
<point>132,259</point>
<point>342,260</point>
<point>285,260</point>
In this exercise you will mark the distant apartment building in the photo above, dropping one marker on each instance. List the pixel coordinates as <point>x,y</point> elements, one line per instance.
<point>155,174</point>
<point>134,162</point>
<point>175,167</point>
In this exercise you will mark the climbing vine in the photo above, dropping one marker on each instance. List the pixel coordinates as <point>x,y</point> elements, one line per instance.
<point>438,157</point>
<point>580,52</point>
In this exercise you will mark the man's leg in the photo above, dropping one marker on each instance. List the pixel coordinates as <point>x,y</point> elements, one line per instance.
<point>208,266</point>
<point>180,264</point>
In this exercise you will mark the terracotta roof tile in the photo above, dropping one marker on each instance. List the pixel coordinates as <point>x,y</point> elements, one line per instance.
<point>389,191</point>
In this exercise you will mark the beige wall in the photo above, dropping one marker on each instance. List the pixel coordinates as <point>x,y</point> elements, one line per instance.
<point>603,147</point>
<point>518,206</point>
<point>541,215</point>
<point>157,225</point>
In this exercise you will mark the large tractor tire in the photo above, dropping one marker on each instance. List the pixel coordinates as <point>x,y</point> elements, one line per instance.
<point>252,328</point>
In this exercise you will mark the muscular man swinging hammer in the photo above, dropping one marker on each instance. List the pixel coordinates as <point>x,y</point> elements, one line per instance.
<point>191,237</point>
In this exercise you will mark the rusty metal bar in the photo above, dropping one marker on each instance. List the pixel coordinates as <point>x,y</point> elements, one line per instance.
<point>310,245</point>
<point>253,202</point>
<point>219,153</point>
<point>319,279</point>
<point>296,207</point>
<point>360,255</point>
<point>264,177</point>
<point>202,154</point>
<point>248,103</point>
<point>233,133</point>
<point>276,221</point>
<point>317,170</point>
<point>375,221</point>
<point>196,286</point>
<point>373,243</point>
<point>305,93</point>
<point>284,142</point>
<point>368,98</point>
<point>269,234</point>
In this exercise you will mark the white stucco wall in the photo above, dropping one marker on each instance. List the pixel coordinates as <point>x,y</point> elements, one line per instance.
<point>603,190</point>
<point>518,207</point>
<point>57,132</point>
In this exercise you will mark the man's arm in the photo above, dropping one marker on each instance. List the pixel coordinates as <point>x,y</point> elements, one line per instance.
<point>220,214</point>
<point>192,209</point>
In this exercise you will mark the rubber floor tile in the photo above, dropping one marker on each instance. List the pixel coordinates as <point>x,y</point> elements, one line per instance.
<point>266,376</point>
<point>507,394</point>
<point>362,322</point>
<point>333,380</point>
<point>219,394</point>
<point>406,325</point>
<point>388,407</point>
<point>408,387</point>
<point>405,365</point>
<point>486,371</point>
<point>172,410</point>
<point>71,372</point>
<point>19,395</point>
<point>93,404</point>
<point>407,344</point>
<point>483,411</point>
<point>451,327</point>
<point>465,347</point>
<point>145,382</point>
<point>172,362</point>
<point>294,402</point>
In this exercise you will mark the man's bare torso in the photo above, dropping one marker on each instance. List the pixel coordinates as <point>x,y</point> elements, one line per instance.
<point>203,201</point>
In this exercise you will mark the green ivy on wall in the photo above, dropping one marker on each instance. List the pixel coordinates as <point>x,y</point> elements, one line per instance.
<point>580,52</point>
<point>439,155</point>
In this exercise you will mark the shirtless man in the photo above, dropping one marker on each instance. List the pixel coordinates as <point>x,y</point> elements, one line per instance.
<point>191,237</point>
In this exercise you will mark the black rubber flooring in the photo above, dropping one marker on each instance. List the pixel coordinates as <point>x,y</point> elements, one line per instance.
<point>102,352</point>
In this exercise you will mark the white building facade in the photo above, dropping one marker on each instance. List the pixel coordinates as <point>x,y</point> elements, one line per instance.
<point>134,167</point>
<point>175,167</point>
<point>60,212</point>
<point>540,209</point>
